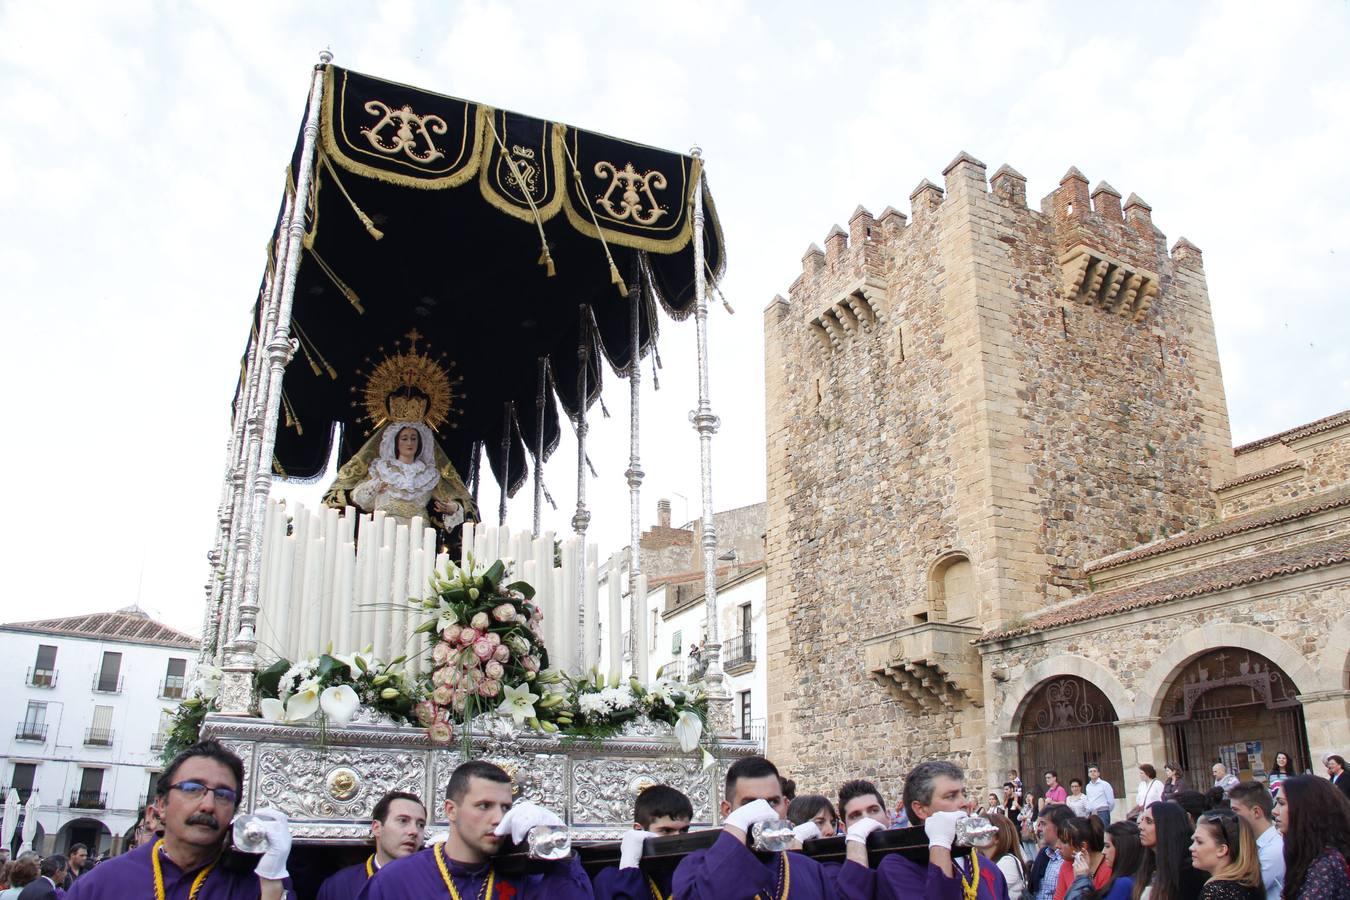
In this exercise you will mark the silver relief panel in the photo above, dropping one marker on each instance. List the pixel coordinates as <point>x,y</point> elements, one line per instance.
<point>333,782</point>
<point>604,788</point>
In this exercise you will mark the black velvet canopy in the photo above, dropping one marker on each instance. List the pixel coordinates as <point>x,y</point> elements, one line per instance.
<point>505,238</point>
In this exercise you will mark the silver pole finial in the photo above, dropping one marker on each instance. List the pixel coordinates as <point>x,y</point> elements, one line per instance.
<point>696,151</point>
<point>325,56</point>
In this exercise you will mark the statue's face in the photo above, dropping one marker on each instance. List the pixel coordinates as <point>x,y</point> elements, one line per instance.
<point>407,444</point>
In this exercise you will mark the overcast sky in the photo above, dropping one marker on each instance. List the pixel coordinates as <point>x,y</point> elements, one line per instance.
<point>143,144</point>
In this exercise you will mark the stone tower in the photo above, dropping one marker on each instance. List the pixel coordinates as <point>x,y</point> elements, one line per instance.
<point>963,410</point>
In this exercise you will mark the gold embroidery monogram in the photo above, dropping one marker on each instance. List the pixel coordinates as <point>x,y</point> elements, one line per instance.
<point>637,192</point>
<point>525,167</point>
<point>410,131</point>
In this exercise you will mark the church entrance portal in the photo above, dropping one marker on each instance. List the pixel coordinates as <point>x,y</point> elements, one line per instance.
<point>1236,707</point>
<point>1068,725</point>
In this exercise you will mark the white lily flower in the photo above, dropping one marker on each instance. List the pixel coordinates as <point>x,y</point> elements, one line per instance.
<point>301,705</point>
<point>518,703</point>
<point>272,709</point>
<point>339,704</point>
<point>688,729</point>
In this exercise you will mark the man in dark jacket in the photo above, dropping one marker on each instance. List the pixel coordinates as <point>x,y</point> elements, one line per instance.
<point>51,873</point>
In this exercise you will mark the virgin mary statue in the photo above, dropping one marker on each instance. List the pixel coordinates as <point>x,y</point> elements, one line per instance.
<point>402,470</point>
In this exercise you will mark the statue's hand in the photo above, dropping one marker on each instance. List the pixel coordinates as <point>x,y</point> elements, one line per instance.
<point>447,507</point>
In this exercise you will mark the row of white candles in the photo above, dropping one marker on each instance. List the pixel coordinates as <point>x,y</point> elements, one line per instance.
<point>340,582</point>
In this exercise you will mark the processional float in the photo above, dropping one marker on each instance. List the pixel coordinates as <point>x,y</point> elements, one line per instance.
<point>445,283</point>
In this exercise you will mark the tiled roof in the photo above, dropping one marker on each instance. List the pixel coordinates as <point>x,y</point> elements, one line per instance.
<point>1302,431</point>
<point>1272,515</point>
<point>1257,476</point>
<point>129,626</point>
<point>1239,572</point>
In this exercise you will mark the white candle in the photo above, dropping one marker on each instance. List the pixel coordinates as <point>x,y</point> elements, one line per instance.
<point>591,617</point>
<point>381,601</point>
<point>288,613</point>
<point>567,639</point>
<point>312,583</point>
<point>640,636</point>
<point>343,606</point>
<point>424,589</point>
<point>489,552</point>
<point>553,624</point>
<point>614,634</point>
<point>299,534</point>
<point>330,567</point>
<point>465,544</point>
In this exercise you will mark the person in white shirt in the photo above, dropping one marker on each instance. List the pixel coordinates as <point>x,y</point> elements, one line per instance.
<point>1252,801</point>
<point>1101,798</point>
<point>1222,779</point>
<point>1150,790</point>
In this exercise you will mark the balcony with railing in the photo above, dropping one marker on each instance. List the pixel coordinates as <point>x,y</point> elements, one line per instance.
<point>24,792</point>
<point>755,730</point>
<point>173,688</point>
<point>108,684</point>
<point>43,678</point>
<point>88,800</point>
<point>738,653</point>
<point>31,731</point>
<point>98,737</point>
<point>159,739</point>
<point>673,670</point>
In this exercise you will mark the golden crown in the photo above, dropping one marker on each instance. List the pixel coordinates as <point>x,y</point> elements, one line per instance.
<point>409,386</point>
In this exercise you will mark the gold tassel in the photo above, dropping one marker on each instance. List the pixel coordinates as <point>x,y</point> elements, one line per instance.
<point>615,278</point>
<point>354,300</point>
<point>546,260</point>
<point>374,232</point>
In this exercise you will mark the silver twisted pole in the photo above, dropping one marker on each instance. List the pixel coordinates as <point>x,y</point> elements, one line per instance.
<point>235,691</point>
<point>539,398</point>
<point>247,425</point>
<point>634,471</point>
<point>706,424</point>
<point>582,517</point>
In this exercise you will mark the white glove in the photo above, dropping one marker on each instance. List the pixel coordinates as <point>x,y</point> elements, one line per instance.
<point>630,848</point>
<point>860,829</point>
<point>807,831</point>
<point>941,828</point>
<point>272,866</point>
<point>743,817</point>
<point>523,816</point>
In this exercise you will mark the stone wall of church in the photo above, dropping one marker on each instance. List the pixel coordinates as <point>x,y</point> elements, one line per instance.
<point>930,390</point>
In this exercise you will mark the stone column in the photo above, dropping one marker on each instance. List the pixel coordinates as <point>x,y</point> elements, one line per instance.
<point>1141,741</point>
<point>1327,716</point>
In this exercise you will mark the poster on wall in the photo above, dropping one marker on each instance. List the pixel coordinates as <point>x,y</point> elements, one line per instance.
<point>1254,759</point>
<point>1228,755</point>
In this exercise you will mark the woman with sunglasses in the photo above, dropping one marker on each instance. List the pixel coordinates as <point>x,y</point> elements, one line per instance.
<point>1314,817</point>
<point>1224,845</point>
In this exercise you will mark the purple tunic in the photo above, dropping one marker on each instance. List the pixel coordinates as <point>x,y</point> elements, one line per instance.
<point>345,884</point>
<point>729,870</point>
<point>627,884</point>
<point>133,875</point>
<point>898,878</point>
<point>417,877</point>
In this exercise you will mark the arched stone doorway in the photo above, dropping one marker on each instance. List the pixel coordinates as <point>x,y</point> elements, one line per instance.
<point>1236,707</point>
<point>1067,725</point>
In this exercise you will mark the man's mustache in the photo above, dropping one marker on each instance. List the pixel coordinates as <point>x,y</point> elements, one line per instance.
<point>203,819</point>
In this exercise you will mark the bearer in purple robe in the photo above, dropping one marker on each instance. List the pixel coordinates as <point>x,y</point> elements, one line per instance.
<point>660,810</point>
<point>479,808</point>
<point>935,796</point>
<point>197,796</point>
<point>730,870</point>
<point>396,824</point>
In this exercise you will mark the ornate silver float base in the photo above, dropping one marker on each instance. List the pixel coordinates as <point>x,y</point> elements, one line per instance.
<point>327,788</point>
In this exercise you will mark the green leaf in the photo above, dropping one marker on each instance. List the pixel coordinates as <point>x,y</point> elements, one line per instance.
<point>268,679</point>
<point>494,575</point>
<point>524,587</point>
<point>326,666</point>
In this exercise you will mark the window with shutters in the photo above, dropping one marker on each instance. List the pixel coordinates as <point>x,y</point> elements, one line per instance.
<point>34,724</point>
<point>22,778</point>
<point>100,734</point>
<point>43,673</point>
<point>175,680</point>
<point>109,678</point>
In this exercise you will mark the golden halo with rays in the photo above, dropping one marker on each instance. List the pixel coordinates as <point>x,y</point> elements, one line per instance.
<point>409,386</point>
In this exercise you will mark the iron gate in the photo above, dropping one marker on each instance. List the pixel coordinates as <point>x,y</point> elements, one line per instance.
<point>1223,700</point>
<point>1068,725</point>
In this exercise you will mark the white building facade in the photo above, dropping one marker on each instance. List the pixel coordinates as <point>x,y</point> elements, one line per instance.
<point>674,612</point>
<point>90,698</point>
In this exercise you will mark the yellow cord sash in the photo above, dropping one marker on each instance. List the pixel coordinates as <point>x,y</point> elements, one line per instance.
<point>370,867</point>
<point>159,873</point>
<point>439,853</point>
<point>972,887</point>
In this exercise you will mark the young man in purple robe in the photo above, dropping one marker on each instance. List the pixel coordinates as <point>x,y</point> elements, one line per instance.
<point>396,824</point>
<point>660,810</point>
<point>478,804</point>
<point>934,796</point>
<point>730,870</point>
<point>197,797</point>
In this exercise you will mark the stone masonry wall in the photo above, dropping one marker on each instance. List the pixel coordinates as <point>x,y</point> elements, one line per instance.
<point>966,406</point>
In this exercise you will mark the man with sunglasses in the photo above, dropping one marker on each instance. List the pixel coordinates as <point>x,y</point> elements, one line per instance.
<point>197,798</point>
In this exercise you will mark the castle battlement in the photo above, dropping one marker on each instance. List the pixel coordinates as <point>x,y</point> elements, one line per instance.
<point>1110,254</point>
